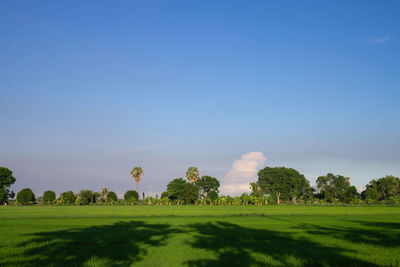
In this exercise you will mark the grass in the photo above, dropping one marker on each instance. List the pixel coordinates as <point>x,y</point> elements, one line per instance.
<point>199,236</point>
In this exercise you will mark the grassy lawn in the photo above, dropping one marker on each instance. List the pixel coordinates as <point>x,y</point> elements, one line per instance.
<point>199,236</point>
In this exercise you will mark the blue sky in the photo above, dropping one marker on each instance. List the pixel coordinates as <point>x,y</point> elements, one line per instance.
<point>90,89</point>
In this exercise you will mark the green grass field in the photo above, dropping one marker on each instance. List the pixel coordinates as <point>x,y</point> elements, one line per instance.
<point>199,236</point>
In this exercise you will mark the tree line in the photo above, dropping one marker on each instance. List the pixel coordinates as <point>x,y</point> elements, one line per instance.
<point>275,185</point>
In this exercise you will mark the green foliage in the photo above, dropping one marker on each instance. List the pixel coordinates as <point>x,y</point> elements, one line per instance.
<point>351,195</point>
<point>67,197</point>
<point>175,189</point>
<point>164,194</point>
<point>190,193</point>
<point>283,183</point>
<point>333,188</point>
<point>6,180</point>
<point>131,195</point>
<point>213,195</point>
<point>112,197</point>
<point>25,196</point>
<point>85,197</point>
<point>382,188</point>
<point>49,197</point>
<point>207,185</point>
<point>192,174</point>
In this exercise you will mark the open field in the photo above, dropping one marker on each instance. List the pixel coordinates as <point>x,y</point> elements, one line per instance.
<point>199,236</point>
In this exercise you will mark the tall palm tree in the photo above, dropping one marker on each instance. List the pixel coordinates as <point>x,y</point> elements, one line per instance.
<point>192,174</point>
<point>136,173</point>
<point>104,193</point>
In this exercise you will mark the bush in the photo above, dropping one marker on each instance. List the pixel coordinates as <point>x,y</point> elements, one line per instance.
<point>25,196</point>
<point>85,197</point>
<point>112,197</point>
<point>131,195</point>
<point>49,197</point>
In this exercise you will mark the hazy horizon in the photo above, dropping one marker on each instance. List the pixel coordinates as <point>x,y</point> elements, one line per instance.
<point>91,89</point>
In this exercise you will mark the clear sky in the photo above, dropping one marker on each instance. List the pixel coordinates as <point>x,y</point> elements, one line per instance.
<point>90,89</point>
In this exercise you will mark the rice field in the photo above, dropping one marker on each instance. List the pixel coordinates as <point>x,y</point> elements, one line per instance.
<point>199,236</point>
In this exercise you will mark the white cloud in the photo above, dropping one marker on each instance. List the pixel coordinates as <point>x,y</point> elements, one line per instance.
<point>360,189</point>
<point>244,171</point>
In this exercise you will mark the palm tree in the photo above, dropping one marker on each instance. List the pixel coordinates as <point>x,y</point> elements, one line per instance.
<point>104,193</point>
<point>136,173</point>
<point>192,174</point>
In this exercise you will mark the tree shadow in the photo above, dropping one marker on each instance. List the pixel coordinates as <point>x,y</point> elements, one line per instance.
<point>122,243</point>
<point>377,234</point>
<point>235,245</point>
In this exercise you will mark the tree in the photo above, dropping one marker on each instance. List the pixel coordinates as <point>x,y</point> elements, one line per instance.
<point>6,180</point>
<point>192,174</point>
<point>112,197</point>
<point>136,173</point>
<point>190,193</point>
<point>175,189</point>
<point>131,195</point>
<point>86,197</point>
<point>333,187</point>
<point>164,194</point>
<point>25,196</point>
<point>283,183</point>
<point>351,194</point>
<point>207,184</point>
<point>67,197</point>
<point>383,188</point>
<point>104,193</point>
<point>49,197</point>
<point>212,195</point>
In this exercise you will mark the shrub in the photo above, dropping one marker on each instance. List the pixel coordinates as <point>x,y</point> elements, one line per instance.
<point>131,195</point>
<point>112,197</point>
<point>25,196</point>
<point>49,197</point>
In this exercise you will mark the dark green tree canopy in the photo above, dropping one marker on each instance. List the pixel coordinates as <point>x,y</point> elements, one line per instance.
<point>175,189</point>
<point>49,197</point>
<point>190,193</point>
<point>282,183</point>
<point>25,196</point>
<point>383,188</point>
<point>6,180</point>
<point>86,197</point>
<point>131,195</point>
<point>333,187</point>
<point>112,197</point>
<point>207,184</point>
<point>68,197</point>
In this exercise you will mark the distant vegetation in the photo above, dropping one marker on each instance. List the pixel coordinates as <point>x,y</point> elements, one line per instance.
<point>275,185</point>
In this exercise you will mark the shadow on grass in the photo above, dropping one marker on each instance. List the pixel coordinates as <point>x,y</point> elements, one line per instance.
<point>226,244</point>
<point>235,245</point>
<point>122,243</point>
<point>377,233</point>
